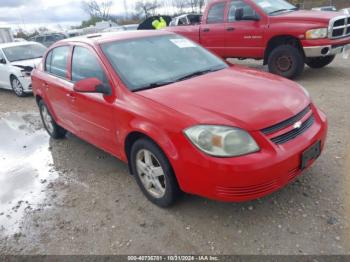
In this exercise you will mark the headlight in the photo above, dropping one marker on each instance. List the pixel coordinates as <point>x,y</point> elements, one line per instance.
<point>222,141</point>
<point>25,73</point>
<point>317,33</point>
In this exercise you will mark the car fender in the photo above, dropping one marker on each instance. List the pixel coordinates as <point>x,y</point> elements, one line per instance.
<point>154,132</point>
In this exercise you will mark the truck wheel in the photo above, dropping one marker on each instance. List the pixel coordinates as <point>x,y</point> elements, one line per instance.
<point>153,173</point>
<point>319,62</point>
<point>54,130</point>
<point>286,61</point>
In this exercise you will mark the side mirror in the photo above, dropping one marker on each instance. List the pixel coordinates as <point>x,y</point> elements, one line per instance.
<point>2,61</point>
<point>239,15</point>
<point>91,85</point>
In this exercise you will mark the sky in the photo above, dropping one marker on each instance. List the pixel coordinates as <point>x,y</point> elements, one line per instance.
<point>54,14</point>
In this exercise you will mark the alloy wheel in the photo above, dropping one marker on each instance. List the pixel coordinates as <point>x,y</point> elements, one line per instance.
<point>151,173</point>
<point>47,119</point>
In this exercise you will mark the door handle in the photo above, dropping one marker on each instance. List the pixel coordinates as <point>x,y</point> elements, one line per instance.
<point>46,85</point>
<point>206,30</point>
<point>230,29</point>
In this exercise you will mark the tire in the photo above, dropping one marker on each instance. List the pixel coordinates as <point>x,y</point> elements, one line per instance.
<point>148,162</point>
<point>17,87</point>
<point>52,128</point>
<point>319,62</point>
<point>286,61</point>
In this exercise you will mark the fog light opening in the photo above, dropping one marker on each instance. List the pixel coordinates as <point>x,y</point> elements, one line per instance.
<point>325,51</point>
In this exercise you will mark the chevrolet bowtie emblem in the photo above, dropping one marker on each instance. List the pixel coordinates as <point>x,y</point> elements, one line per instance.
<point>297,125</point>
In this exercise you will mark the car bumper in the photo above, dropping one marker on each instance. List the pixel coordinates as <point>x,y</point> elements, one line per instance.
<point>252,176</point>
<point>27,84</point>
<point>325,47</point>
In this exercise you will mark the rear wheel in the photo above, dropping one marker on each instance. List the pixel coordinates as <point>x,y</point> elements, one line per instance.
<point>286,61</point>
<point>153,173</point>
<point>17,87</point>
<point>54,130</point>
<point>319,62</point>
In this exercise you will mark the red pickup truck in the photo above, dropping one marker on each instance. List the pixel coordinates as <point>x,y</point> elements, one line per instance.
<point>274,31</point>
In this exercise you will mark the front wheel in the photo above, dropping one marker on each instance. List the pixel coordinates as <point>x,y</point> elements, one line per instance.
<point>286,61</point>
<point>17,87</point>
<point>54,130</point>
<point>319,62</point>
<point>153,173</point>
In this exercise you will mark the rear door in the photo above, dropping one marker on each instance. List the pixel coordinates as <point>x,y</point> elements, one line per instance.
<point>212,31</point>
<point>57,86</point>
<point>92,111</point>
<point>243,38</point>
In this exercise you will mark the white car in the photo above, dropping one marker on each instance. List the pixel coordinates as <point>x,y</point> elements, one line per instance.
<point>17,60</point>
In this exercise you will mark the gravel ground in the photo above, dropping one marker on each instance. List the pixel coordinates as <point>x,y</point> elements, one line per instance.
<point>67,197</point>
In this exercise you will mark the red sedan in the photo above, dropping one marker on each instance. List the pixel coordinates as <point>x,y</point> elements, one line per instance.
<point>182,119</point>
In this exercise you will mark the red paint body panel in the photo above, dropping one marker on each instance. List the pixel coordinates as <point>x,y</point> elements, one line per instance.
<point>236,96</point>
<point>250,39</point>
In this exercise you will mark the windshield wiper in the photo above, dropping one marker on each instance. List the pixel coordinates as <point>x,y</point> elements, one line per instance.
<point>280,10</point>
<point>153,85</point>
<point>164,83</point>
<point>197,73</point>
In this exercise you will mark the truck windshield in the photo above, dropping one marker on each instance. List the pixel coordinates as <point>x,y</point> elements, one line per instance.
<point>275,6</point>
<point>151,62</point>
<point>24,52</point>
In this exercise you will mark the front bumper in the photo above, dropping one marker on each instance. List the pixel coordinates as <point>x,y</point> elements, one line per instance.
<point>26,84</point>
<point>248,177</point>
<point>326,50</point>
<point>325,47</point>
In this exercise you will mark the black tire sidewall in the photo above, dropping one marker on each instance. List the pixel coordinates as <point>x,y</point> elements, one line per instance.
<point>58,132</point>
<point>172,189</point>
<point>296,56</point>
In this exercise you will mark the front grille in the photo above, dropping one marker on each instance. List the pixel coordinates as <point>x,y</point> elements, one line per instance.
<point>294,133</point>
<point>286,123</point>
<point>339,27</point>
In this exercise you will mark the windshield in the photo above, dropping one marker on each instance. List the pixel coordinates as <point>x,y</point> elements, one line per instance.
<point>155,61</point>
<point>274,6</point>
<point>24,52</point>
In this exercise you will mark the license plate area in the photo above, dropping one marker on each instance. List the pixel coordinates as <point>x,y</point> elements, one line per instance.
<point>346,51</point>
<point>311,153</point>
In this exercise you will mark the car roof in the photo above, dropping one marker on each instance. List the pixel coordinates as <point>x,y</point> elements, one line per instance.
<point>99,38</point>
<point>12,44</point>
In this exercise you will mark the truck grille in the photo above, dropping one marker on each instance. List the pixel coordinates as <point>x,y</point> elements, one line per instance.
<point>288,136</point>
<point>339,27</point>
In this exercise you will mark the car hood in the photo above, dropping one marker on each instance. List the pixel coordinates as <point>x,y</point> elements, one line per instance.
<point>30,63</point>
<point>307,15</point>
<point>236,96</point>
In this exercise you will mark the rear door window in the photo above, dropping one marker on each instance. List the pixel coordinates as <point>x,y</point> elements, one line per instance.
<point>216,14</point>
<point>57,61</point>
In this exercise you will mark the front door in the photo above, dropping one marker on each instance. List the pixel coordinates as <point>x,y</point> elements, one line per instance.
<point>4,72</point>
<point>244,38</point>
<point>93,112</point>
<point>212,32</point>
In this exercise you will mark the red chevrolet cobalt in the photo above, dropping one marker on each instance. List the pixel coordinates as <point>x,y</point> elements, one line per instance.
<point>182,119</point>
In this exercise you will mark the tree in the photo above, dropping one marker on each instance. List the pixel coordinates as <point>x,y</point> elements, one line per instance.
<point>146,8</point>
<point>98,10</point>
